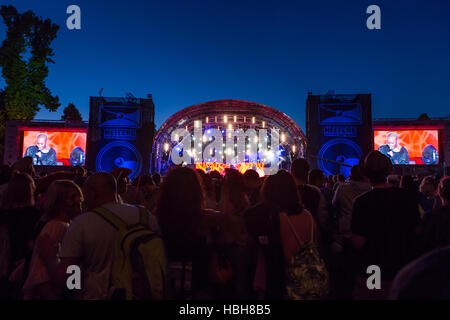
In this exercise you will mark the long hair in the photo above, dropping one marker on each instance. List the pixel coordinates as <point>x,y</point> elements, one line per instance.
<point>280,189</point>
<point>20,191</point>
<point>234,198</point>
<point>56,196</point>
<point>179,209</point>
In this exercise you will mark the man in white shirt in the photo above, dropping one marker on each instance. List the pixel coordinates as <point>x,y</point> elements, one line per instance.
<point>90,240</point>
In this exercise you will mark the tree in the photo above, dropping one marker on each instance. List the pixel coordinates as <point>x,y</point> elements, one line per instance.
<point>423,116</point>
<point>25,89</point>
<point>71,113</point>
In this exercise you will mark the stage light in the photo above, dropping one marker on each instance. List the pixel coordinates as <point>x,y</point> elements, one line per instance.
<point>283,137</point>
<point>207,120</point>
<point>263,124</point>
<point>253,120</point>
<point>205,138</point>
<point>166,147</point>
<point>293,148</point>
<point>235,118</point>
<point>270,155</point>
<point>225,119</point>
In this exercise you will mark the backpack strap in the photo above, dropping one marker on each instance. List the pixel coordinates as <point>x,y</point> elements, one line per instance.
<point>300,242</point>
<point>143,215</point>
<point>111,218</point>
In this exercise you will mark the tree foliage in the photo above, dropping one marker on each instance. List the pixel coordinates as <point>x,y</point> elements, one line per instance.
<point>25,91</point>
<point>71,113</point>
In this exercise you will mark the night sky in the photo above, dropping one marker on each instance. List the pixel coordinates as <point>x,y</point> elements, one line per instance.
<point>270,52</point>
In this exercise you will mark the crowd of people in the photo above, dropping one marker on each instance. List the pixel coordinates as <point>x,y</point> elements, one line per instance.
<point>237,236</point>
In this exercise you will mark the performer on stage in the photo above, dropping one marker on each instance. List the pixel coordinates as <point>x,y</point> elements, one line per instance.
<point>41,153</point>
<point>397,153</point>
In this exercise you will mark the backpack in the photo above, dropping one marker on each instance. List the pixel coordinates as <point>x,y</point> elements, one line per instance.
<point>307,276</point>
<point>139,269</point>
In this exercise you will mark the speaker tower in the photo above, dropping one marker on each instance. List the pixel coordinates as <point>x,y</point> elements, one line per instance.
<point>120,134</point>
<point>339,131</point>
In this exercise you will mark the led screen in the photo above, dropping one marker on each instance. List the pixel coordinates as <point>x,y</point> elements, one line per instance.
<point>55,148</point>
<point>409,146</point>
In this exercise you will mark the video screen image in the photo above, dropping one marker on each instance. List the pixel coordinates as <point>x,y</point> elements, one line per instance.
<point>409,146</point>
<point>55,148</point>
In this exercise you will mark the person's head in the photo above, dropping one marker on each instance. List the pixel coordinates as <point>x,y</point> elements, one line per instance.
<point>428,186</point>
<point>24,165</point>
<point>145,180</point>
<point>99,189</point>
<point>156,178</point>
<point>280,189</point>
<point>79,172</point>
<point>180,193</point>
<point>41,141</point>
<point>62,200</point>
<point>316,178</point>
<point>300,170</point>
<point>340,177</point>
<point>392,140</point>
<point>122,182</point>
<point>200,172</point>
<point>122,185</point>
<point>208,185</point>
<point>356,174</point>
<point>233,198</point>
<point>335,179</point>
<point>121,175</point>
<point>330,182</point>
<point>407,182</point>
<point>444,190</point>
<point>251,179</point>
<point>377,167</point>
<point>215,175</point>
<point>393,180</point>
<point>20,191</point>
